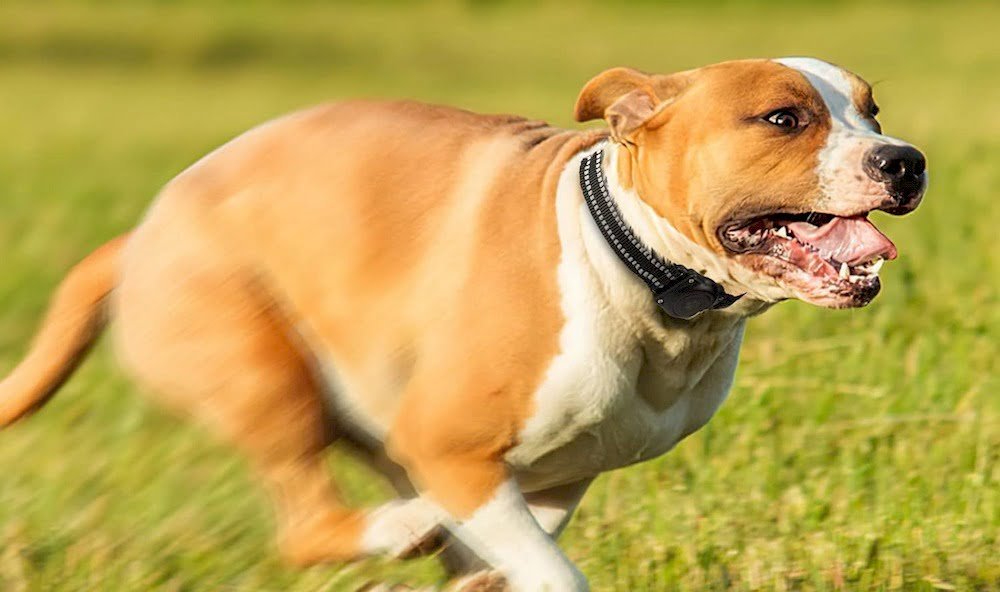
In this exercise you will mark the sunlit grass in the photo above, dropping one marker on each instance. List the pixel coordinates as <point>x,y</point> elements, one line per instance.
<point>858,450</point>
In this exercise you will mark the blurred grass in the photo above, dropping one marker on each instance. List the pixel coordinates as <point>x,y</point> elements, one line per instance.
<point>859,449</point>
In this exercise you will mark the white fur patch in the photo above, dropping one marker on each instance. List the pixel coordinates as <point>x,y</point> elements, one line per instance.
<point>398,527</point>
<point>835,87</point>
<point>840,168</point>
<point>625,386</point>
<point>505,534</point>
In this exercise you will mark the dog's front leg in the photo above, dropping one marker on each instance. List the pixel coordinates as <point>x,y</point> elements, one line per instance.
<point>552,508</point>
<point>489,514</point>
<point>503,532</point>
<point>452,434</point>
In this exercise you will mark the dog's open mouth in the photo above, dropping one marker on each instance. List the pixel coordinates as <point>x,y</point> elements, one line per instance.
<point>837,254</point>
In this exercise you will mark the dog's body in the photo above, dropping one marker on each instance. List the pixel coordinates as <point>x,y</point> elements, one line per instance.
<point>427,284</point>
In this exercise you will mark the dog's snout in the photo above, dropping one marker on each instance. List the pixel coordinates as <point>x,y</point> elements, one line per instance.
<point>901,169</point>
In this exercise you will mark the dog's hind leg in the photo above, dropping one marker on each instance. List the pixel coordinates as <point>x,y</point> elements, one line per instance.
<point>213,345</point>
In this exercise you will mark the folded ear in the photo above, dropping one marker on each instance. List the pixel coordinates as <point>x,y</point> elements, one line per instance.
<point>625,98</point>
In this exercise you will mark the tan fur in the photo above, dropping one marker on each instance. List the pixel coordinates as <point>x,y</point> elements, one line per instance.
<point>862,98</point>
<point>424,242</point>
<point>627,98</point>
<point>75,318</point>
<point>714,107</point>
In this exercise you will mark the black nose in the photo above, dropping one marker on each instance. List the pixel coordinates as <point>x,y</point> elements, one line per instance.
<point>897,162</point>
<point>901,168</point>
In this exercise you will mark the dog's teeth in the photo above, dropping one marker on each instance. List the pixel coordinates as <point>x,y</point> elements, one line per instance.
<point>782,232</point>
<point>877,265</point>
<point>845,271</point>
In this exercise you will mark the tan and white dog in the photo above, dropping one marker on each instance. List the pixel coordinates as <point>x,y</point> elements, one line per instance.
<point>427,285</point>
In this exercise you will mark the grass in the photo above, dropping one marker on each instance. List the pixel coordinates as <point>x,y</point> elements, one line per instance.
<point>858,451</point>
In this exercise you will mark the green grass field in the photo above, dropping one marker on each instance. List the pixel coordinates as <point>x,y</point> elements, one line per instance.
<point>858,451</point>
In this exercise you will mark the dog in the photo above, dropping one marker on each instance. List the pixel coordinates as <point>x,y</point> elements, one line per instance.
<point>427,286</point>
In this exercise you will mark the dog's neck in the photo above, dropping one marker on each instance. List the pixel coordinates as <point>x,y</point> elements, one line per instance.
<point>660,235</point>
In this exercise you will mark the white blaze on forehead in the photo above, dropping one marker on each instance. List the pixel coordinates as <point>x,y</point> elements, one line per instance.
<point>846,187</point>
<point>834,86</point>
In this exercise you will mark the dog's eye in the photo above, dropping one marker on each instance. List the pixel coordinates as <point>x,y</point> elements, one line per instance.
<point>783,118</point>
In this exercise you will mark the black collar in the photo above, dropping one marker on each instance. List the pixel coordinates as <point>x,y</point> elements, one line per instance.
<point>681,292</point>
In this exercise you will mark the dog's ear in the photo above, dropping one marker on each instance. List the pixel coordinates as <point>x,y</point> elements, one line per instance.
<point>626,99</point>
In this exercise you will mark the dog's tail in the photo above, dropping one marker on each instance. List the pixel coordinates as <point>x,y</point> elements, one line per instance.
<point>75,318</point>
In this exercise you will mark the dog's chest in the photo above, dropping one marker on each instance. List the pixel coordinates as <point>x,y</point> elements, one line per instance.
<point>625,386</point>
<point>611,402</point>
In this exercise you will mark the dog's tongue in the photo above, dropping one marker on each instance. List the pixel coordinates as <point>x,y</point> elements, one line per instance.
<point>850,240</point>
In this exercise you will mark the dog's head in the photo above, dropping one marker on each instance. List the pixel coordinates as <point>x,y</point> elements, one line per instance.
<point>771,167</point>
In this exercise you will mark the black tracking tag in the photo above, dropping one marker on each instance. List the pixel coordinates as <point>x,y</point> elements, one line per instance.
<point>694,295</point>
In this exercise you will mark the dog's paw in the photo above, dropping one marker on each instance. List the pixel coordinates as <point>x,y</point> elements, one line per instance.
<point>483,581</point>
<point>404,529</point>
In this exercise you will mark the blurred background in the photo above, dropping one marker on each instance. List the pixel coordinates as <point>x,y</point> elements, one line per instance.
<point>858,450</point>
